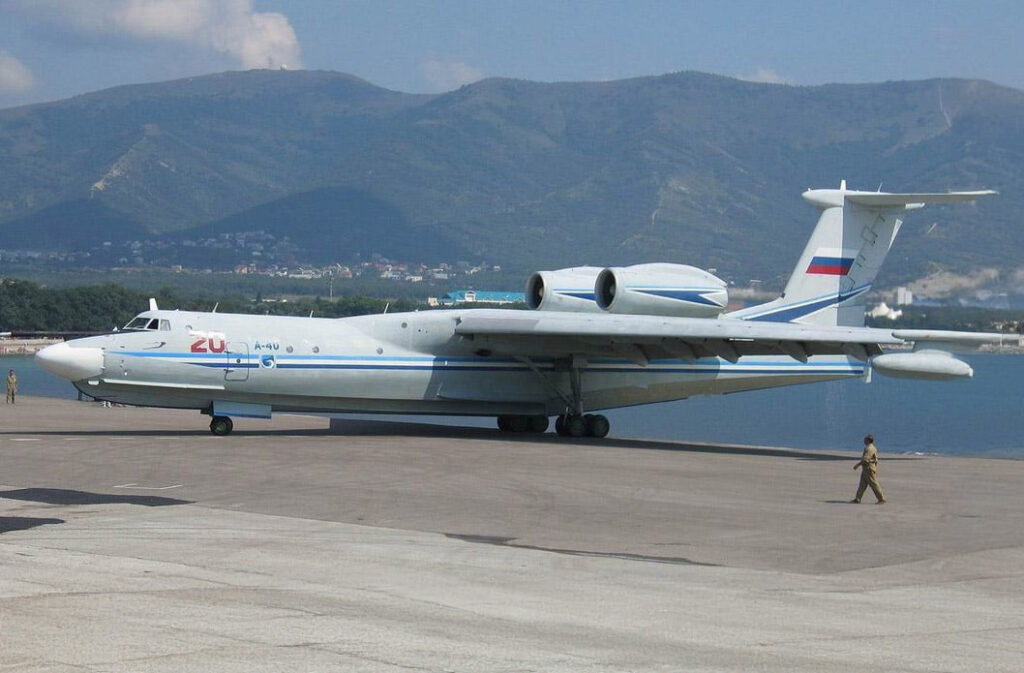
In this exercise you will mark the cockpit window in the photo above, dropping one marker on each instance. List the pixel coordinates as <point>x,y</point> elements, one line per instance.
<point>165,325</point>
<point>143,323</point>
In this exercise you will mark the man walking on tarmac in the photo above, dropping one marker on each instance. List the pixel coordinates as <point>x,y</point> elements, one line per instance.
<point>869,471</point>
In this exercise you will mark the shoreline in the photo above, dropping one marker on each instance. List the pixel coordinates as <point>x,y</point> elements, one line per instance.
<point>12,347</point>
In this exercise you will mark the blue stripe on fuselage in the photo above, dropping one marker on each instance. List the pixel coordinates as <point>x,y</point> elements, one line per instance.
<point>477,364</point>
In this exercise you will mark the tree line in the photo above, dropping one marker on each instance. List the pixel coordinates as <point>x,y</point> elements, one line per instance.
<point>26,306</point>
<point>29,307</point>
<point>958,318</point>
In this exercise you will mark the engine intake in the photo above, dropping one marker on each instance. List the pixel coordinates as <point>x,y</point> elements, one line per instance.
<point>674,290</point>
<point>570,289</point>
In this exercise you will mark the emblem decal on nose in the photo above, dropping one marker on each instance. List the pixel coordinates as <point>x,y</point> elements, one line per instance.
<point>267,361</point>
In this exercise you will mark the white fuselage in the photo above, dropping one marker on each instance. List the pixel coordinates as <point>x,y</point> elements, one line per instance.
<point>392,363</point>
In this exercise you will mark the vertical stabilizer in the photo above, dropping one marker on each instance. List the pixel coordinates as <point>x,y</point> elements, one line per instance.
<point>843,256</point>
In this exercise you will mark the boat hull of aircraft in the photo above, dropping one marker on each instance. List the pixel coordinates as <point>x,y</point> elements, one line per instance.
<point>322,371</point>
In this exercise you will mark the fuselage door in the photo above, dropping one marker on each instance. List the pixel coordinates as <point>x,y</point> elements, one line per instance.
<point>237,367</point>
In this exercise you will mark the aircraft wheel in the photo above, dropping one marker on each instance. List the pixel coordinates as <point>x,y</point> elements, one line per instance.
<point>518,423</point>
<point>597,425</point>
<point>538,424</point>
<point>221,425</point>
<point>560,426</point>
<point>575,426</point>
<point>503,423</point>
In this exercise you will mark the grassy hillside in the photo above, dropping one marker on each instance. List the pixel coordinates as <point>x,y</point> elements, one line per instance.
<point>682,167</point>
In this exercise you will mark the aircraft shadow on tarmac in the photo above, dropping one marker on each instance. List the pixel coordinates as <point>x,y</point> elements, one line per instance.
<point>9,524</point>
<point>387,428</point>
<point>61,496</point>
<point>344,427</point>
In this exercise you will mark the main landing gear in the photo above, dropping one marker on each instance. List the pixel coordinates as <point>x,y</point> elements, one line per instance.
<point>573,423</point>
<point>221,425</point>
<point>566,425</point>
<point>585,425</point>
<point>519,423</point>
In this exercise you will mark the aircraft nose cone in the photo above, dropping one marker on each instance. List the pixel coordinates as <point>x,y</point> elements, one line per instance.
<point>71,363</point>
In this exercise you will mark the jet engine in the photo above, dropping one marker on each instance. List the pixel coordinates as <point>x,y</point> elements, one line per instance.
<point>661,289</point>
<point>569,289</point>
<point>564,289</point>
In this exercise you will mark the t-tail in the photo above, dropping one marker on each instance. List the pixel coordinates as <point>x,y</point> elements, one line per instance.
<point>843,256</point>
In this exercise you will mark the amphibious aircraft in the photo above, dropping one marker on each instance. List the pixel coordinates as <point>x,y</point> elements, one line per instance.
<point>597,338</point>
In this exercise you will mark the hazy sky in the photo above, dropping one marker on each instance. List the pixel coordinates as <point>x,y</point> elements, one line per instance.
<point>51,49</point>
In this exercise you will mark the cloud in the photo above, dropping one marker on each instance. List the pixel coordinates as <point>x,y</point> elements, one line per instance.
<point>447,75</point>
<point>254,39</point>
<point>766,76</point>
<point>14,75</point>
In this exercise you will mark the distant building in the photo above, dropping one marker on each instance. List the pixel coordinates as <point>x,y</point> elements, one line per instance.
<point>904,297</point>
<point>481,297</point>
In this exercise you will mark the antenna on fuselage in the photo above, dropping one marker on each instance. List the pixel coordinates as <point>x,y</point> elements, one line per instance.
<point>152,304</point>
<point>215,307</point>
<point>386,306</point>
<point>311,314</point>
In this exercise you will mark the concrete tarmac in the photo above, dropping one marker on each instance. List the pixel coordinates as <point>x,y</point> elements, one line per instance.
<point>134,540</point>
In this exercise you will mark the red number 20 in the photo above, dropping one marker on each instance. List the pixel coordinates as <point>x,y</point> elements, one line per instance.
<point>208,345</point>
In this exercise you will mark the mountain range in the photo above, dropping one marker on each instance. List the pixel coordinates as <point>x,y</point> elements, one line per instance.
<point>685,167</point>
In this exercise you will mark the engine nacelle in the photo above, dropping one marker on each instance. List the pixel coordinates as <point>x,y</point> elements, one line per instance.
<point>569,289</point>
<point>661,289</point>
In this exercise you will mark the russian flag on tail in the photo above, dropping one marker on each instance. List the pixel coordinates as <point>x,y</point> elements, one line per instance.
<point>832,262</point>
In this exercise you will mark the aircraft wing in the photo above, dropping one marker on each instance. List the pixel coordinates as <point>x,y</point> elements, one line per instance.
<point>558,334</point>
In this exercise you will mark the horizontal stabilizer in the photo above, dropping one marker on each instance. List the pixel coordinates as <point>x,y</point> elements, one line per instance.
<point>836,198</point>
<point>876,199</point>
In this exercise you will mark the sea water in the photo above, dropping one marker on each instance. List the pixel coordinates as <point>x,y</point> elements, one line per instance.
<point>983,416</point>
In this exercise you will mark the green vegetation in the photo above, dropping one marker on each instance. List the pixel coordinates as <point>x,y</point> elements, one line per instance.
<point>963,318</point>
<point>27,307</point>
<point>214,286</point>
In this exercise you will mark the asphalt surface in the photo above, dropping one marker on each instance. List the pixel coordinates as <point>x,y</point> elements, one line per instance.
<point>134,540</point>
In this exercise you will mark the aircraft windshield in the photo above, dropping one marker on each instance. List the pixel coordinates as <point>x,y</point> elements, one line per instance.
<point>142,323</point>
